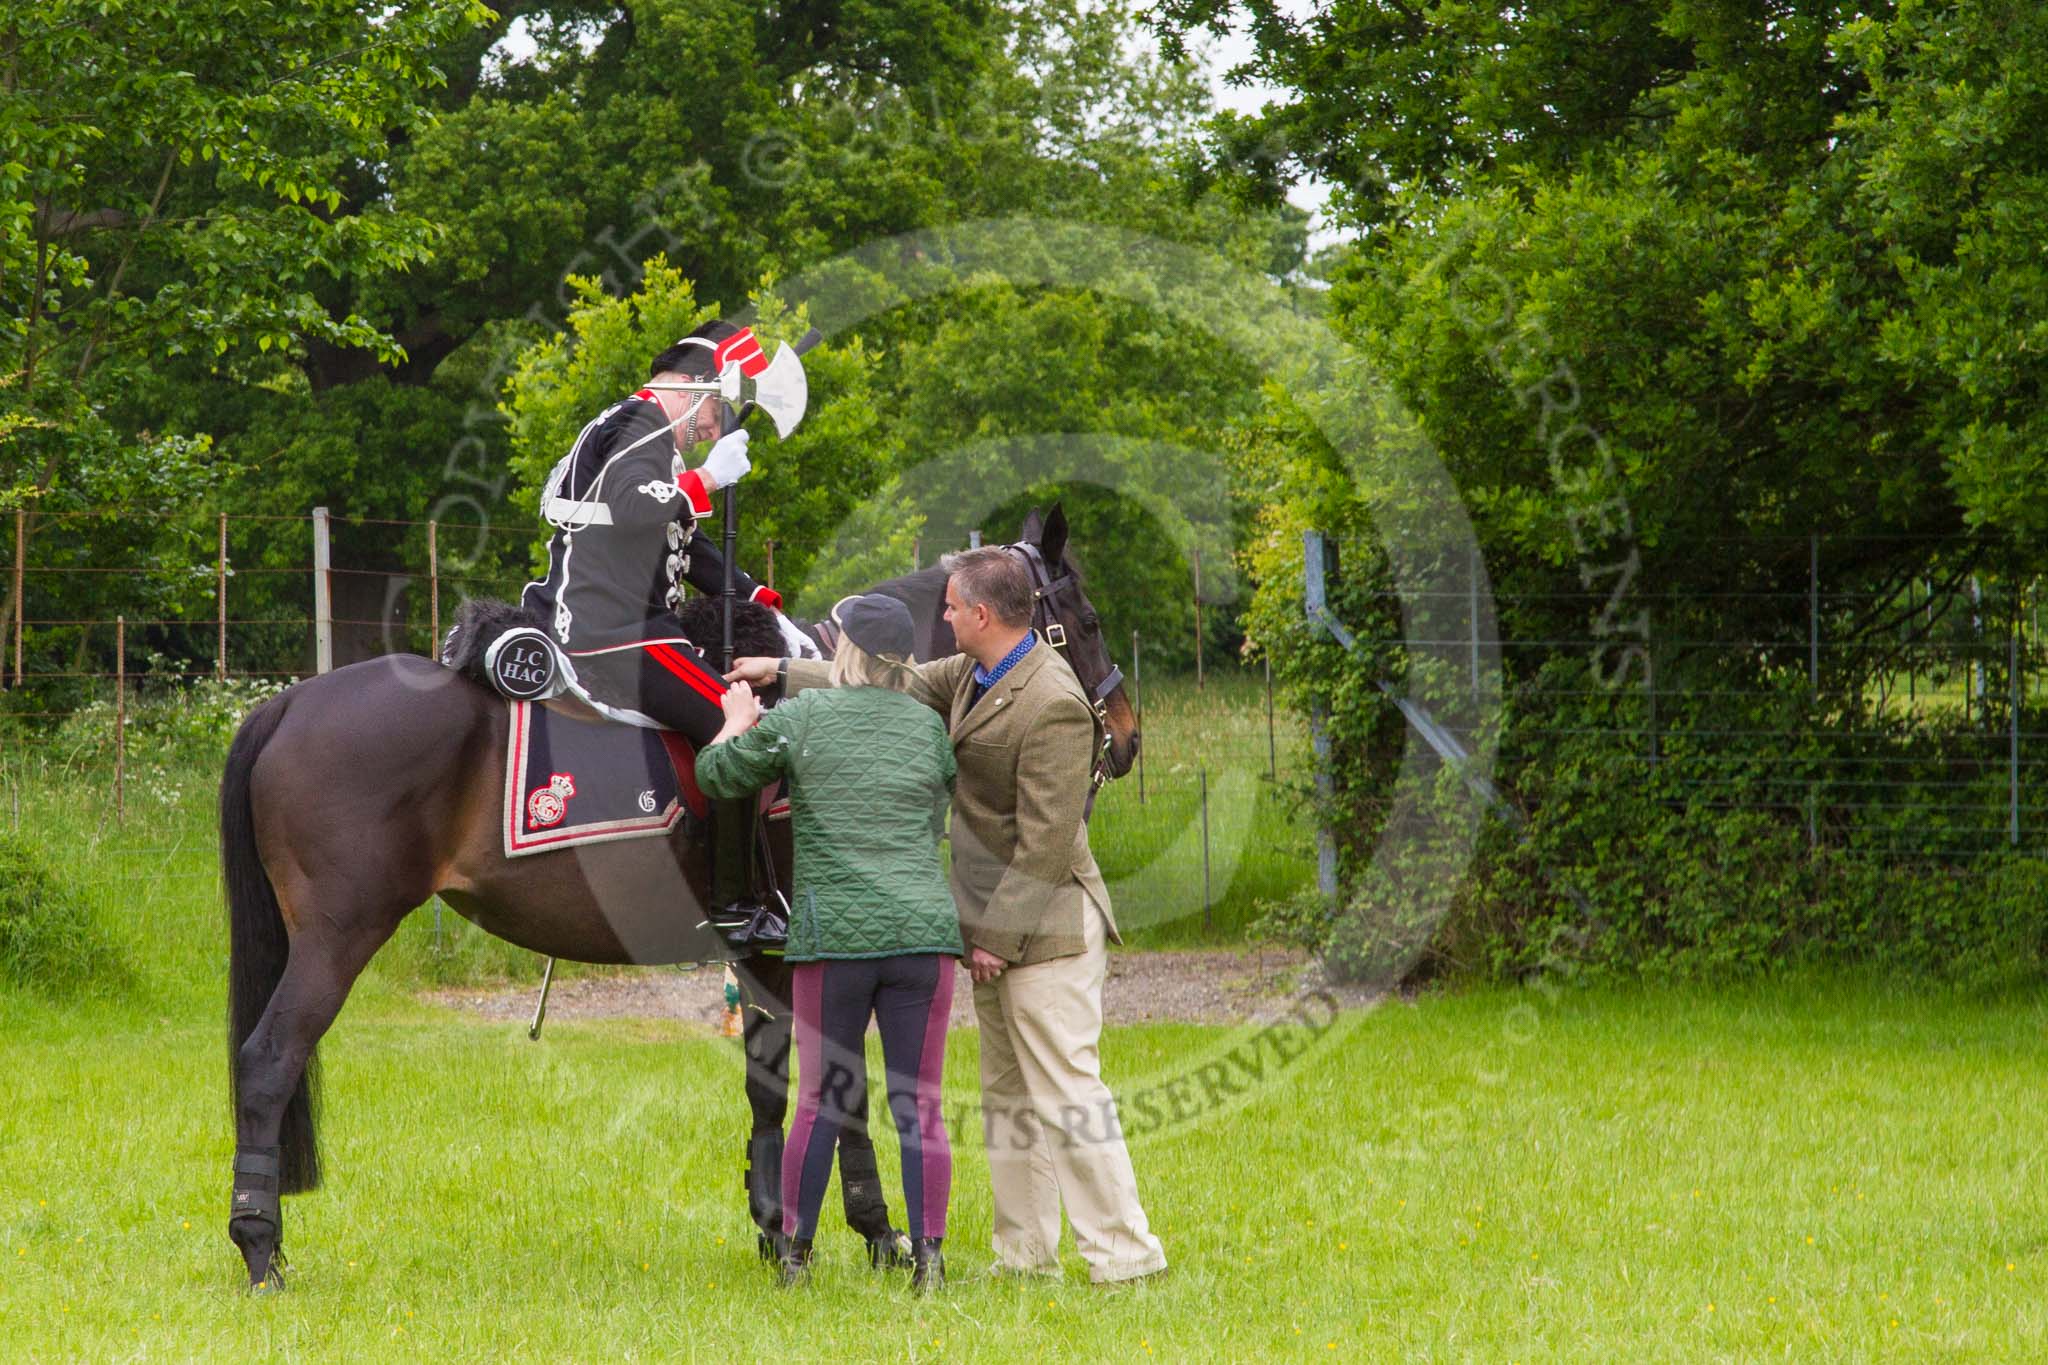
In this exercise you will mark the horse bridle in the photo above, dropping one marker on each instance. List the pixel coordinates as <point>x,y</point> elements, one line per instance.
<point>1045,590</point>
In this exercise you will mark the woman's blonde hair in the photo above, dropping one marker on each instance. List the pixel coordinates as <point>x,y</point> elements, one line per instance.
<point>853,666</point>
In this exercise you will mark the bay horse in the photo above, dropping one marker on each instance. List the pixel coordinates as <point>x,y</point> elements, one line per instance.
<point>351,798</point>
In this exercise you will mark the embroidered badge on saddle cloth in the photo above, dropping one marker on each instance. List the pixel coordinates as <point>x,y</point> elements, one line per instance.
<point>570,781</point>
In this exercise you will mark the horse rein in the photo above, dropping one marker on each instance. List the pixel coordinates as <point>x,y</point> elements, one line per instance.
<point>1045,589</point>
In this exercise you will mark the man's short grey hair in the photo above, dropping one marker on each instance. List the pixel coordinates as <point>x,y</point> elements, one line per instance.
<point>993,577</point>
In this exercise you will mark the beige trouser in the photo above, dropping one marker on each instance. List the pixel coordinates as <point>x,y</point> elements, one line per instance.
<point>1049,1122</point>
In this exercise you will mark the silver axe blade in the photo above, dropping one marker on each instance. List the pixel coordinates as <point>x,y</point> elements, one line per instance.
<point>782,391</point>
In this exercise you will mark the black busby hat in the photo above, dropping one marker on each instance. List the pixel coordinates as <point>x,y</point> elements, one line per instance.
<point>879,624</point>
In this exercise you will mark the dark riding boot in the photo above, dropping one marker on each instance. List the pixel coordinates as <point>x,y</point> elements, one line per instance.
<point>764,1190</point>
<point>796,1263</point>
<point>732,827</point>
<point>928,1265</point>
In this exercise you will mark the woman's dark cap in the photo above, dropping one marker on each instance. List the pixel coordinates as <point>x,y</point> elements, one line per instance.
<point>879,624</point>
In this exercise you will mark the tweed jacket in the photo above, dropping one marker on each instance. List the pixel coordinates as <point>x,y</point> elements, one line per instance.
<point>1026,756</point>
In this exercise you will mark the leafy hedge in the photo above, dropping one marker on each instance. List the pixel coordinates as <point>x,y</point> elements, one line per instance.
<point>1774,829</point>
<point>49,941</point>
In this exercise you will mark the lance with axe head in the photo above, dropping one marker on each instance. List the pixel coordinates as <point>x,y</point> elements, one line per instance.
<point>782,391</point>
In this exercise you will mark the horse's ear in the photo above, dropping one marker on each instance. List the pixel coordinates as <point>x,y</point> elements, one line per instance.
<point>1052,540</point>
<point>1033,528</point>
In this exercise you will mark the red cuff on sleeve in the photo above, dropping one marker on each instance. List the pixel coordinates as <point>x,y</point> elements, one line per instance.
<point>768,597</point>
<point>691,485</point>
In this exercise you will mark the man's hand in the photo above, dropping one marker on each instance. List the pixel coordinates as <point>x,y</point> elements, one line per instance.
<point>727,463</point>
<point>983,965</point>
<point>755,670</point>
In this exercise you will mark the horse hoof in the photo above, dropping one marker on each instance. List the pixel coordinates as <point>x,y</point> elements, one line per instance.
<point>890,1251</point>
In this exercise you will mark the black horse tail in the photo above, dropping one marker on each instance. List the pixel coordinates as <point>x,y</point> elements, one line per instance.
<point>258,946</point>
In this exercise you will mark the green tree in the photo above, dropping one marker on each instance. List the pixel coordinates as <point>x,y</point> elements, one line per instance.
<point>174,183</point>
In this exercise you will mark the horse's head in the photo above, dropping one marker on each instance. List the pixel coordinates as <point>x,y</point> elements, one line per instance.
<point>1064,615</point>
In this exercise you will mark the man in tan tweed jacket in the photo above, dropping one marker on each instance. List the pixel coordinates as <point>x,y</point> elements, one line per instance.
<point>1036,917</point>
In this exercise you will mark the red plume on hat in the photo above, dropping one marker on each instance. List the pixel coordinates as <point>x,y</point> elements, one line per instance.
<point>742,349</point>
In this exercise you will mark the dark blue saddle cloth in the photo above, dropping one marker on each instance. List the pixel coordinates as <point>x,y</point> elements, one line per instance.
<point>571,781</point>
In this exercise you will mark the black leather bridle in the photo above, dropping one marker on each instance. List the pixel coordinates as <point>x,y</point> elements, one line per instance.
<point>1046,589</point>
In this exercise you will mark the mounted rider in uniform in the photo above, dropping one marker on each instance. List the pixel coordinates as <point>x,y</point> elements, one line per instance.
<point>625,509</point>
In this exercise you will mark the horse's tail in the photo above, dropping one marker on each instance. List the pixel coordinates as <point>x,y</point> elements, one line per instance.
<point>258,946</point>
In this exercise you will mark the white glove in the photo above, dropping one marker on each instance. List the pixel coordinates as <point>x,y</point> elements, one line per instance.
<point>801,645</point>
<point>727,463</point>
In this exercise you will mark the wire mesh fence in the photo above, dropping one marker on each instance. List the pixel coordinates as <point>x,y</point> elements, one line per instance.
<point>1190,840</point>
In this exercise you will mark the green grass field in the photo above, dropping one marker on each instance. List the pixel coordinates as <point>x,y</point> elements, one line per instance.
<point>1150,848</point>
<point>1835,1173</point>
<point>1842,1170</point>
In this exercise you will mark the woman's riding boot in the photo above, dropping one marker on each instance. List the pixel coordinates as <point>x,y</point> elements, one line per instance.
<point>796,1263</point>
<point>928,1266</point>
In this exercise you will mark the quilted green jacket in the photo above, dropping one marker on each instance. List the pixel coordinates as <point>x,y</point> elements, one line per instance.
<point>870,778</point>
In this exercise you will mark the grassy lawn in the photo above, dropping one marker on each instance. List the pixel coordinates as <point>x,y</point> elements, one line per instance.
<point>1828,1172</point>
<point>1807,1170</point>
<point>1151,849</point>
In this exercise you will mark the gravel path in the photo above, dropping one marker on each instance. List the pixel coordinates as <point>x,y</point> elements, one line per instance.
<point>1207,987</point>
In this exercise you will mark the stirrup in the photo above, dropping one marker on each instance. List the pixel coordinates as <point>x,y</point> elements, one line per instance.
<point>753,926</point>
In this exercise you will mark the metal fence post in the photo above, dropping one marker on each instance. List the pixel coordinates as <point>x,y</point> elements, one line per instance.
<point>1138,705</point>
<point>20,557</point>
<point>434,595</point>
<point>1314,588</point>
<point>1813,615</point>
<point>323,597</point>
<point>1650,695</point>
<point>1198,618</point>
<point>1272,744</point>
<point>2012,767</point>
<point>120,717</point>
<point>1472,611</point>
<point>1978,687</point>
<point>1208,921</point>
<point>770,546</point>
<point>974,539</point>
<point>916,553</point>
<point>220,602</point>
<point>1326,842</point>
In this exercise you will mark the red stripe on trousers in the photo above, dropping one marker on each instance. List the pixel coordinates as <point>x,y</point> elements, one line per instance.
<point>687,671</point>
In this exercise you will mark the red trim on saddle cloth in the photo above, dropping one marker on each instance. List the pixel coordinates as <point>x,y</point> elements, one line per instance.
<point>683,755</point>
<point>774,805</point>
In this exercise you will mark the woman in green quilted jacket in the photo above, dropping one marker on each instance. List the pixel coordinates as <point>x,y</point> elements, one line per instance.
<point>872,928</point>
